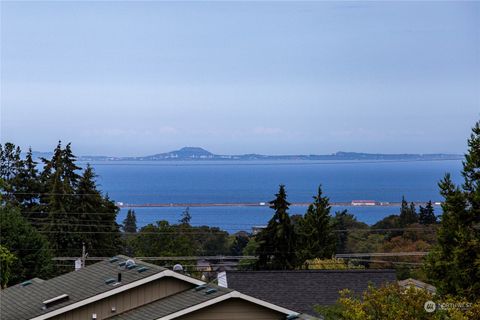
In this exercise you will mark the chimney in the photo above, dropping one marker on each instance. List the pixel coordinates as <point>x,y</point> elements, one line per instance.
<point>222,278</point>
<point>119,278</point>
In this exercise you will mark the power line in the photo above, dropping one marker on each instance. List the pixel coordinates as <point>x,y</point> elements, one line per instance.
<point>223,257</point>
<point>381,254</point>
<point>371,230</point>
<point>185,232</point>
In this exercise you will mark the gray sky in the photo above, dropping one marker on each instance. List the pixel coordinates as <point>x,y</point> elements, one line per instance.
<point>136,78</point>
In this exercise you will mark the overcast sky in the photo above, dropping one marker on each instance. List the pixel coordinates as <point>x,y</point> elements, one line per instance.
<point>137,78</point>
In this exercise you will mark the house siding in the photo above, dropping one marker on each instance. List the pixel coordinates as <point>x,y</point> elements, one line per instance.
<point>127,300</point>
<point>234,309</point>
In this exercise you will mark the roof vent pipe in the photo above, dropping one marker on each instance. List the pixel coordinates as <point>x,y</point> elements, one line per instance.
<point>119,277</point>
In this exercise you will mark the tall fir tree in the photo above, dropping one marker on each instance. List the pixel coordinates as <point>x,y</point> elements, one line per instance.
<point>10,161</point>
<point>29,188</point>
<point>96,217</point>
<point>453,265</point>
<point>315,230</point>
<point>276,243</point>
<point>59,201</point>
<point>427,215</point>
<point>10,166</point>
<point>130,222</point>
<point>408,214</point>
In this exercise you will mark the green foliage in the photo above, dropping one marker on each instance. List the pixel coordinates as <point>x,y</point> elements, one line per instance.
<point>239,243</point>
<point>249,250</point>
<point>277,245</point>
<point>427,214</point>
<point>389,222</point>
<point>209,240</point>
<point>251,247</point>
<point>344,222</point>
<point>61,201</point>
<point>27,186</point>
<point>408,214</point>
<point>27,244</point>
<point>10,166</point>
<point>164,239</point>
<point>6,261</point>
<point>454,263</point>
<point>96,215</point>
<point>10,161</point>
<point>330,264</point>
<point>392,302</point>
<point>315,230</point>
<point>130,222</point>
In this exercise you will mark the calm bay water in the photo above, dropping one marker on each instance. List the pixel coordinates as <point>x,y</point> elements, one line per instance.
<point>257,181</point>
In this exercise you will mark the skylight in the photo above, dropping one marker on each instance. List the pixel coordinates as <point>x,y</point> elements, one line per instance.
<point>51,302</point>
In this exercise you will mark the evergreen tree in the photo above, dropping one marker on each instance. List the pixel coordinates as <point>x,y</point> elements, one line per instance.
<point>10,161</point>
<point>10,166</point>
<point>96,217</point>
<point>28,187</point>
<point>454,263</point>
<point>70,175</point>
<point>408,214</point>
<point>427,214</point>
<point>315,231</point>
<point>276,243</point>
<point>59,200</point>
<point>186,217</point>
<point>130,222</point>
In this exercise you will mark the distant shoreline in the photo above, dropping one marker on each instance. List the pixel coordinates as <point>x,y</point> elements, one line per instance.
<point>353,203</point>
<point>199,154</point>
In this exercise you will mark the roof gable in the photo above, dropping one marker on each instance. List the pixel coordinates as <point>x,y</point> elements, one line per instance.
<point>193,300</point>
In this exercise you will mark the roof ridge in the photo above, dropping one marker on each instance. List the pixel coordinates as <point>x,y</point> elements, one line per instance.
<point>139,261</point>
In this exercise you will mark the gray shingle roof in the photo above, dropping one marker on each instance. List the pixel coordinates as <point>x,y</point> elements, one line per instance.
<point>303,289</point>
<point>172,304</point>
<point>25,302</point>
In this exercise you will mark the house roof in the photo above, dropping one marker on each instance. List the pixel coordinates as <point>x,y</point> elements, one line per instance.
<point>301,290</point>
<point>174,303</point>
<point>39,299</point>
<point>192,300</point>
<point>83,286</point>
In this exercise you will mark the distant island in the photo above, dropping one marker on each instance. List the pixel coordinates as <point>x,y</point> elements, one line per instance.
<point>197,153</point>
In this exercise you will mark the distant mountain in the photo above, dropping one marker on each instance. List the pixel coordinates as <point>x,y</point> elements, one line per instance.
<point>197,153</point>
<point>190,153</point>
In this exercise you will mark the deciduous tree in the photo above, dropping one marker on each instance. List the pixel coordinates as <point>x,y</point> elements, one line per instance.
<point>34,257</point>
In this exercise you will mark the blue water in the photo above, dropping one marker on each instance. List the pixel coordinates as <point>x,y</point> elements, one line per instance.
<point>257,181</point>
